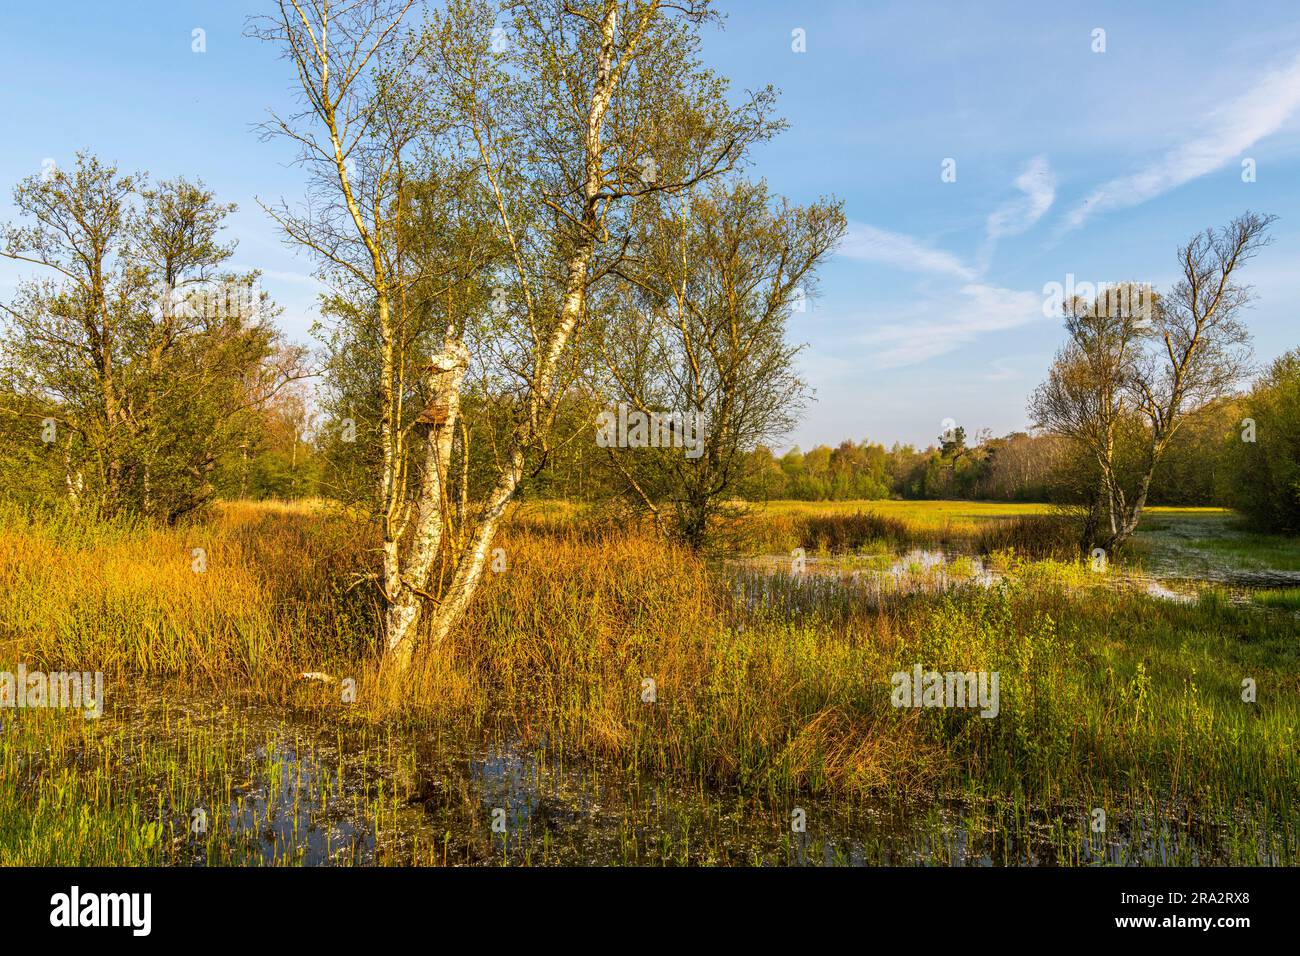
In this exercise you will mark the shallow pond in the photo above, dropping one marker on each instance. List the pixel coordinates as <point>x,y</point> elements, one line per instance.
<point>277,786</point>
<point>1167,572</point>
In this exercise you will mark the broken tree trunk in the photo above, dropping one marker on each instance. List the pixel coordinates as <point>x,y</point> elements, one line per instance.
<point>438,421</point>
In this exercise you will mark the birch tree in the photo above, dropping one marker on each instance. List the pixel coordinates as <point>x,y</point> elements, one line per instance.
<point>555,107</point>
<point>1129,376</point>
<point>578,113</point>
<point>715,278</point>
<point>359,137</point>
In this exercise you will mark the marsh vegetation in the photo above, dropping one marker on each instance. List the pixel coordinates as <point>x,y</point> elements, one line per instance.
<point>771,696</point>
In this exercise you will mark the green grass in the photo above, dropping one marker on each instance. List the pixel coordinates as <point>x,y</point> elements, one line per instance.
<point>1255,552</point>
<point>936,513</point>
<point>1036,530</point>
<point>1288,598</point>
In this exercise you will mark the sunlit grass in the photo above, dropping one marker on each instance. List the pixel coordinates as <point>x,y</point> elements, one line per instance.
<point>1255,551</point>
<point>1288,598</point>
<point>778,688</point>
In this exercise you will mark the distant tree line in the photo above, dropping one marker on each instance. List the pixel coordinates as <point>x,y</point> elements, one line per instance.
<point>1239,451</point>
<point>1017,467</point>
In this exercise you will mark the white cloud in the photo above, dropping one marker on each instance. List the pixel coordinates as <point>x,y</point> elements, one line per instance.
<point>976,309</point>
<point>1221,138</point>
<point>868,244</point>
<point>1002,370</point>
<point>1038,184</point>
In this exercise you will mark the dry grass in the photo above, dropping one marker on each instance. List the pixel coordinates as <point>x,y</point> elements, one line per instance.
<point>558,647</point>
<point>251,596</point>
<point>1032,532</point>
<point>565,645</point>
<point>1034,536</point>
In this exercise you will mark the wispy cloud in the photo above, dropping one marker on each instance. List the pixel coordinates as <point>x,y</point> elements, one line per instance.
<point>868,244</point>
<point>1002,370</point>
<point>911,335</point>
<point>1221,137</point>
<point>1038,185</point>
<point>976,309</point>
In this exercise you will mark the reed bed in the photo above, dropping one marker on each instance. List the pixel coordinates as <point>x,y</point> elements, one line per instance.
<point>1037,534</point>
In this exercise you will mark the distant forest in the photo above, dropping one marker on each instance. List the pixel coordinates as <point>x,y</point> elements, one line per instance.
<point>1204,465</point>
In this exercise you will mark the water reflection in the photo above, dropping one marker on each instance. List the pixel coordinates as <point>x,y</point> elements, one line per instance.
<point>308,789</point>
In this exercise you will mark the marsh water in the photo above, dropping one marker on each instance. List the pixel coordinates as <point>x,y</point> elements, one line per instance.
<point>302,788</point>
<point>1169,566</point>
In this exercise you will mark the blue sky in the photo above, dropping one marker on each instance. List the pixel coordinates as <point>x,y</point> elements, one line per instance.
<point>1068,161</point>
